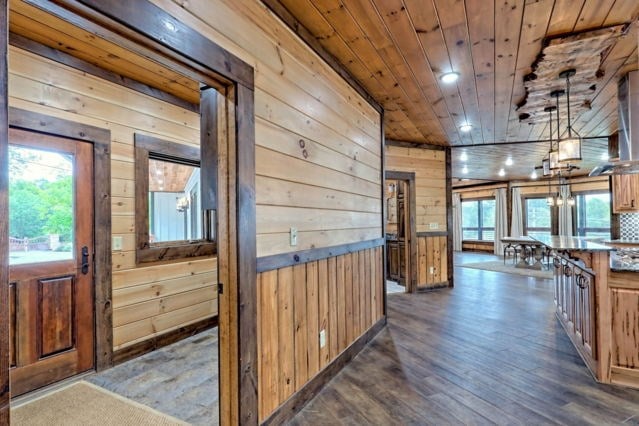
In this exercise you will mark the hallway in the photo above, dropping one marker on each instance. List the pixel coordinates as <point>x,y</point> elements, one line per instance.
<point>489,351</point>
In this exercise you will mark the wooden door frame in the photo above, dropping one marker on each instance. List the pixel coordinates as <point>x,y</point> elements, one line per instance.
<point>411,264</point>
<point>142,24</point>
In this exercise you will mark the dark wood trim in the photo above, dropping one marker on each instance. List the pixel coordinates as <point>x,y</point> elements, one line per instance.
<point>395,175</point>
<point>81,65</point>
<point>164,339</point>
<point>432,234</point>
<point>208,148</point>
<point>145,251</point>
<point>418,145</point>
<point>299,399</point>
<point>5,395</point>
<point>101,140</point>
<point>246,240</point>
<point>166,148</point>
<point>409,178</point>
<point>382,135</point>
<point>146,19</point>
<point>438,286</point>
<point>277,261</point>
<point>615,218</point>
<point>449,217</point>
<point>307,37</point>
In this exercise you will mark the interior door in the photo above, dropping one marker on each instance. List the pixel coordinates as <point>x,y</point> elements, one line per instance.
<point>50,259</point>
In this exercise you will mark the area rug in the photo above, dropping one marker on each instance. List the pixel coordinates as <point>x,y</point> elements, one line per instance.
<point>83,403</point>
<point>498,266</point>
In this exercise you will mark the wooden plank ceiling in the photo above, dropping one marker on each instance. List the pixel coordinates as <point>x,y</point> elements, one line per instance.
<point>398,50</point>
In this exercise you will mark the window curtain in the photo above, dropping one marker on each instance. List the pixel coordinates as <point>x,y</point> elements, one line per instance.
<point>565,212</point>
<point>457,222</point>
<point>501,220</point>
<point>517,219</point>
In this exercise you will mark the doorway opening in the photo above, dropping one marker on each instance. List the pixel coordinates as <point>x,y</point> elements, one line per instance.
<point>401,236</point>
<point>152,290</point>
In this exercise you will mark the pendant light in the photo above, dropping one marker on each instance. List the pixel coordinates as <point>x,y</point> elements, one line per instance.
<point>550,200</point>
<point>547,163</point>
<point>553,155</point>
<point>570,147</point>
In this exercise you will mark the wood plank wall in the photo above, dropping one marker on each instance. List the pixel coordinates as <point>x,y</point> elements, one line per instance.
<point>308,119</point>
<point>150,300</point>
<point>318,169</point>
<point>432,259</point>
<point>429,166</point>
<point>342,295</point>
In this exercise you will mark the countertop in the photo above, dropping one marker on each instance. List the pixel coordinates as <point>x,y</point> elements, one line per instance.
<point>559,242</point>
<point>622,241</point>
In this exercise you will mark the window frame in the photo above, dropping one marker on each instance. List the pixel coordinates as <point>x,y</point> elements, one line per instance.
<point>479,227</point>
<point>575,221</point>
<point>553,215</point>
<point>149,147</point>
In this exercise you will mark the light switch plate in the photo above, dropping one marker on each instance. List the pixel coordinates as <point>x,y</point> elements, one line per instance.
<point>293,236</point>
<point>322,337</point>
<point>434,225</point>
<point>116,244</point>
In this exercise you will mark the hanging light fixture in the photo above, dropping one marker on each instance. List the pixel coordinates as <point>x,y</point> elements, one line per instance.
<point>553,155</point>
<point>550,200</point>
<point>569,147</point>
<point>550,163</point>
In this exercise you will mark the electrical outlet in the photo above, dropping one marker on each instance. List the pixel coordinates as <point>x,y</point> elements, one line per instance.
<point>293,236</point>
<point>116,244</point>
<point>431,270</point>
<point>322,341</point>
<point>434,225</point>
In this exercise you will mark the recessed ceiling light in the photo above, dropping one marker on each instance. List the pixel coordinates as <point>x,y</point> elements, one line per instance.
<point>465,170</point>
<point>463,156</point>
<point>605,156</point>
<point>466,127</point>
<point>533,175</point>
<point>502,172</point>
<point>449,77</point>
<point>509,161</point>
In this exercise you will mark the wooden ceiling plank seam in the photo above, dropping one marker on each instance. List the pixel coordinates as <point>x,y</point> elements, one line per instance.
<point>620,11</point>
<point>424,29</point>
<point>449,107</point>
<point>530,44</point>
<point>483,71</point>
<point>564,16</point>
<point>402,66</point>
<point>604,93</point>
<point>590,16</point>
<point>396,69</point>
<point>457,41</point>
<point>531,37</point>
<point>379,46</point>
<point>388,88</point>
<point>505,62</point>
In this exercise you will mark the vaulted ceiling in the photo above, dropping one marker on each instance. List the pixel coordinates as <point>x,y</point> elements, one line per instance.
<point>399,49</point>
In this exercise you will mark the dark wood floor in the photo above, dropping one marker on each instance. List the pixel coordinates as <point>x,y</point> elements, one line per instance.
<point>488,351</point>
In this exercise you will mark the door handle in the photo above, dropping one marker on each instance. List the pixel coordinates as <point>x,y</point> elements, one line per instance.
<point>85,260</point>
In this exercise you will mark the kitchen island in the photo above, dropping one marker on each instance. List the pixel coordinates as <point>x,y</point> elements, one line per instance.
<point>598,307</point>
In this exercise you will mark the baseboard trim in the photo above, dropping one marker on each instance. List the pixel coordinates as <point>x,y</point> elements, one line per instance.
<point>159,341</point>
<point>299,399</point>
<point>438,286</point>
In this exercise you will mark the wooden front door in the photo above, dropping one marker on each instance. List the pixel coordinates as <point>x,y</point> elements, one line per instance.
<point>50,259</point>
